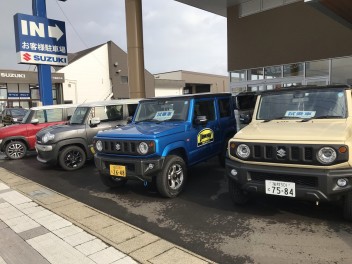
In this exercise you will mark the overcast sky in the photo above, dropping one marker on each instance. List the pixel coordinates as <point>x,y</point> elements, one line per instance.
<point>176,36</point>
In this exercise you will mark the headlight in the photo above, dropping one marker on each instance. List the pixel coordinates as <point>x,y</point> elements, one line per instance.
<point>47,137</point>
<point>243,151</point>
<point>326,155</point>
<point>99,145</point>
<point>143,148</point>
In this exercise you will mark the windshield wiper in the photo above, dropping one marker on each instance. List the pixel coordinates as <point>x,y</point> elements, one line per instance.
<point>321,117</point>
<point>278,118</point>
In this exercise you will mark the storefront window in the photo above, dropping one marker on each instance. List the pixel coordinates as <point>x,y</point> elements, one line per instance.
<point>35,94</point>
<point>273,72</point>
<point>341,71</point>
<point>3,93</point>
<point>295,69</point>
<point>256,74</point>
<point>317,68</point>
<point>238,76</point>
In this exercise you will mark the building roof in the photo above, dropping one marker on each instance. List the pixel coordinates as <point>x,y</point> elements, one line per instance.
<point>72,57</point>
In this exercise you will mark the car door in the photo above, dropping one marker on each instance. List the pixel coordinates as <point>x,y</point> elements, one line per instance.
<point>204,136</point>
<point>109,116</point>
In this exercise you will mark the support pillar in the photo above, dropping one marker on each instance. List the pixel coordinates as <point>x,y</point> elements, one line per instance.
<point>44,71</point>
<point>135,53</point>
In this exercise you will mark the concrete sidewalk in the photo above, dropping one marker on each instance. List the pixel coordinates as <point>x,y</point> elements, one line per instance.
<point>40,226</point>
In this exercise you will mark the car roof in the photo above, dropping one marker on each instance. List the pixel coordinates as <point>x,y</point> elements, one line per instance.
<point>110,102</point>
<point>190,96</point>
<point>305,87</point>
<point>53,106</point>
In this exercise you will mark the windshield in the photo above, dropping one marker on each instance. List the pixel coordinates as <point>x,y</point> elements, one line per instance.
<point>163,110</point>
<point>26,117</point>
<point>18,112</point>
<point>79,115</point>
<point>308,104</point>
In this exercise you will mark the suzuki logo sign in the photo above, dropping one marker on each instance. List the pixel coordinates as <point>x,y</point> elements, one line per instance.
<point>27,57</point>
<point>40,40</point>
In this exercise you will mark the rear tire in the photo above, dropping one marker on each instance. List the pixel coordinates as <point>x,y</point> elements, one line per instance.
<point>15,150</point>
<point>72,158</point>
<point>112,182</point>
<point>347,209</point>
<point>171,179</point>
<point>238,196</point>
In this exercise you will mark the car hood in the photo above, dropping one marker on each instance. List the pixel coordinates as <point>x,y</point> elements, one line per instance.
<point>296,131</point>
<point>63,131</point>
<point>145,130</point>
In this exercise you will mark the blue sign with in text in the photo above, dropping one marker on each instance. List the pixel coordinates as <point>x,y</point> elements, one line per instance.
<point>40,40</point>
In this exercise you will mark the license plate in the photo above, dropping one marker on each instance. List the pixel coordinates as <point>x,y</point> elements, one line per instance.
<point>118,170</point>
<point>280,188</point>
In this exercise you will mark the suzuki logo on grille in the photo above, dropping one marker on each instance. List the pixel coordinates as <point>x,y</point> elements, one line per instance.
<point>27,57</point>
<point>281,152</point>
<point>118,146</point>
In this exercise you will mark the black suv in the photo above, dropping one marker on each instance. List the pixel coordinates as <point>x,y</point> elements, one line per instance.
<point>13,115</point>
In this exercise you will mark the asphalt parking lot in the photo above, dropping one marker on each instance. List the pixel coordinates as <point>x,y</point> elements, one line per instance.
<point>204,220</point>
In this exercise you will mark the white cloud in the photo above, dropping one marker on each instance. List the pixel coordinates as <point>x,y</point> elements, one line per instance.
<point>176,36</point>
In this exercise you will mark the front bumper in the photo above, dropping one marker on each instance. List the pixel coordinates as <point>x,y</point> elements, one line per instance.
<point>136,168</point>
<point>46,153</point>
<point>310,184</point>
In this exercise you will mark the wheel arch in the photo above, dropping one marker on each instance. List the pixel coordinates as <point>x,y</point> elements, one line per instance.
<point>176,148</point>
<point>9,139</point>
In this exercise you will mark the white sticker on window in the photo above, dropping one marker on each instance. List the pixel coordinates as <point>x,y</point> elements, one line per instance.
<point>164,115</point>
<point>300,114</point>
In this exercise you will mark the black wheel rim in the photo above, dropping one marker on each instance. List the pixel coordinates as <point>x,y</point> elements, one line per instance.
<point>73,159</point>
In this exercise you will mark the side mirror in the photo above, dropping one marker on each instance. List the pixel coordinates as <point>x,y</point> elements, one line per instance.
<point>94,121</point>
<point>245,119</point>
<point>35,121</point>
<point>129,119</point>
<point>201,120</point>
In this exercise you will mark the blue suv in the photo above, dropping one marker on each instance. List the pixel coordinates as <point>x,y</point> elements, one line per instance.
<point>166,136</point>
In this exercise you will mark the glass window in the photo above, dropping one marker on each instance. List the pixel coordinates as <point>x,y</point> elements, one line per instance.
<point>295,69</point>
<point>341,71</point>
<point>163,110</point>
<point>3,94</point>
<point>205,108</point>
<point>315,103</point>
<point>124,79</point>
<point>114,112</point>
<point>273,72</point>
<point>78,116</point>
<point>35,94</point>
<point>224,107</point>
<point>49,115</point>
<point>238,76</point>
<point>12,88</point>
<point>317,68</point>
<point>256,74</point>
<point>132,109</point>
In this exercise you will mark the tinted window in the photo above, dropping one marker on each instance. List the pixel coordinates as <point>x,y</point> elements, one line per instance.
<point>205,108</point>
<point>132,109</point>
<point>224,107</point>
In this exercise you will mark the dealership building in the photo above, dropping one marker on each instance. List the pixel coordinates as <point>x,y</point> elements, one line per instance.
<point>279,43</point>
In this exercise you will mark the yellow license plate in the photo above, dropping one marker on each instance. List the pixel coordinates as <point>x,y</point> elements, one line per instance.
<point>118,170</point>
<point>92,150</point>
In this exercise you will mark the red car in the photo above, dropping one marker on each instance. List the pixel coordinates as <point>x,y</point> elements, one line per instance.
<point>16,140</point>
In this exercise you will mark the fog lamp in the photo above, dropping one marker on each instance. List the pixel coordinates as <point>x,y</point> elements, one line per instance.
<point>234,172</point>
<point>342,182</point>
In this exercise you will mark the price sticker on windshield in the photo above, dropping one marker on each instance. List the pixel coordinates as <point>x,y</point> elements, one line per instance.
<point>300,114</point>
<point>164,115</point>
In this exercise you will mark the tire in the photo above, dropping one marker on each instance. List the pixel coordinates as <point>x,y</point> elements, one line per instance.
<point>238,196</point>
<point>171,179</point>
<point>112,182</point>
<point>72,158</point>
<point>15,150</point>
<point>347,209</point>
